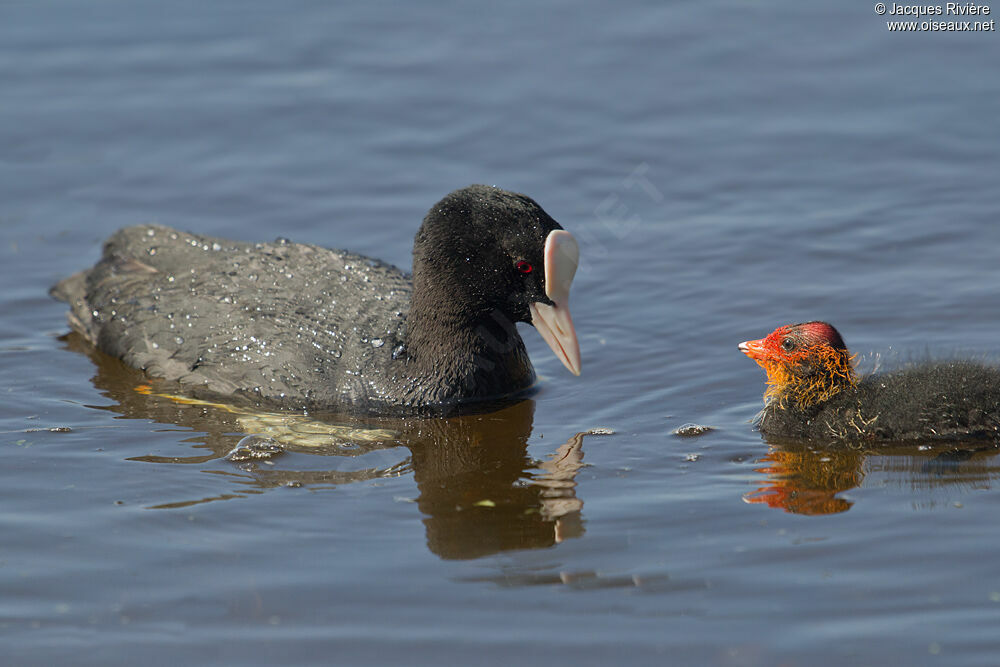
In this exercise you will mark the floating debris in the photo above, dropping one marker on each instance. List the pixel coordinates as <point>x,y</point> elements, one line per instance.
<point>692,430</point>
<point>601,430</point>
<point>255,448</point>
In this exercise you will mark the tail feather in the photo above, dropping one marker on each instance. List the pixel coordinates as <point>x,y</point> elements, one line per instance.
<point>73,290</point>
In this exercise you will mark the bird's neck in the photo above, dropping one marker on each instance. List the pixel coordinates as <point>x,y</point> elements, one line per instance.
<point>475,354</point>
<point>818,379</point>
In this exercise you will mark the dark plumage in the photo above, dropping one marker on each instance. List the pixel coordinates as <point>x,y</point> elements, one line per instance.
<point>306,327</point>
<point>814,393</point>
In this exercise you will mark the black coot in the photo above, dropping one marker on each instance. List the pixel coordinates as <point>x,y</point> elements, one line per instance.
<point>814,393</point>
<point>307,327</point>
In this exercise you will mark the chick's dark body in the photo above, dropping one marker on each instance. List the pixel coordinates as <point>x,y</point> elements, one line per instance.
<point>945,401</point>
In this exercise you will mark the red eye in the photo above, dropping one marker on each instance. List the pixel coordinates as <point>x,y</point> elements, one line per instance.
<point>524,267</point>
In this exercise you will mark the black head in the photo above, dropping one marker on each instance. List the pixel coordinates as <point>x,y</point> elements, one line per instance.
<point>482,249</point>
<point>483,252</point>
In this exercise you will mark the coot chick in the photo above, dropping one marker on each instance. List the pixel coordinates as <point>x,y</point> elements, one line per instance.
<point>286,324</point>
<point>814,392</point>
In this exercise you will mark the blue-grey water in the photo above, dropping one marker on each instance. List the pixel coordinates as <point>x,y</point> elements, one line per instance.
<point>727,167</point>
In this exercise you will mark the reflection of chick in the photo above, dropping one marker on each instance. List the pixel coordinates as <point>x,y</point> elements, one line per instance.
<point>814,393</point>
<point>806,482</point>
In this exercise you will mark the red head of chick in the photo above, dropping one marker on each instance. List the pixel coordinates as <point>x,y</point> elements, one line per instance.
<point>806,363</point>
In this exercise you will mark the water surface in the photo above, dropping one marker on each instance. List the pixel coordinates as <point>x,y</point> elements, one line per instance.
<point>726,167</point>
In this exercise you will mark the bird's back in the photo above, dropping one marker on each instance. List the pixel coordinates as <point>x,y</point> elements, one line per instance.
<point>281,322</point>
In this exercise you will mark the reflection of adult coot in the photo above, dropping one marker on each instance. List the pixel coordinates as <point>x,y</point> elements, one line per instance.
<point>480,492</point>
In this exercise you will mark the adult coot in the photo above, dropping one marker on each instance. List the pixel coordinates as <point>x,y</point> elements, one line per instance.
<point>814,392</point>
<point>307,327</point>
